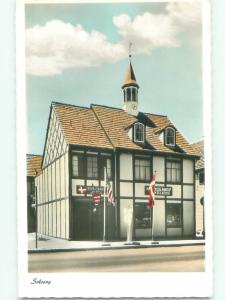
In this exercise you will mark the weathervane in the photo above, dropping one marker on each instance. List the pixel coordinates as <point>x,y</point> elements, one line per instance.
<point>130,44</point>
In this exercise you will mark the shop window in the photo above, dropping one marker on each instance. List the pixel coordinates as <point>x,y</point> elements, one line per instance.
<point>106,163</point>
<point>78,165</point>
<point>170,136</point>
<point>142,169</point>
<point>92,167</point>
<point>201,177</point>
<point>173,171</point>
<point>139,132</point>
<point>173,215</point>
<point>143,216</point>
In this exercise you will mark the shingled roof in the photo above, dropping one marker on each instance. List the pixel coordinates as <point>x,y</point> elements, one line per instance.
<point>199,148</point>
<point>130,78</point>
<point>33,165</point>
<point>106,127</point>
<point>81,126</point>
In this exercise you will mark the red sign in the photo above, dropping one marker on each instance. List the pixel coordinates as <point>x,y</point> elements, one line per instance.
<point>96,198</point>
<point>81,189</point>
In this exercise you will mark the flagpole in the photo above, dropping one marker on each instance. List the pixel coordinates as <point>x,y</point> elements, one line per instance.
<point>104,213</point>
<point>153,216</point>
<point>152,221</point>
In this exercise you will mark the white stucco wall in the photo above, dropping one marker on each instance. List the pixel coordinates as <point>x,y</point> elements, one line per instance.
<point>199,208</point>
<point>188,171</point>
<point>188,192</point>
<point>159,167</point>
<point>140,189</point>
<point>188,217</point>
<point>126,189</point>
<point>176,191</point>
<point>126,170</point>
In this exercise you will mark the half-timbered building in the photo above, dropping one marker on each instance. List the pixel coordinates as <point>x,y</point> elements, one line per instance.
<point>200,188</point>
<point>33,170</point>
<point>132,145</point>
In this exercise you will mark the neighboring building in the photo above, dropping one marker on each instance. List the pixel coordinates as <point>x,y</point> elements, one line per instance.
<point>132,145</point>
<point>33,169</point>
<point>200,186</point>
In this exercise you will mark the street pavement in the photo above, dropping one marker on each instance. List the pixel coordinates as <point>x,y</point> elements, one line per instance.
<point>160,259</point>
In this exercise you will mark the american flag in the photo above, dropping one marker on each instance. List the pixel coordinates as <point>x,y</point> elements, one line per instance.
<point>151,193</point>
<point>110,193</point>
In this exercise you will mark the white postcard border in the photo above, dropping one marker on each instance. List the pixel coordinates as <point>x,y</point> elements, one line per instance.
<point>110,284</point>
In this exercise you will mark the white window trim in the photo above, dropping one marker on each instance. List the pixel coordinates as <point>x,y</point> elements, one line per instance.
<point>139,141</point>
<point>174,132</point>
<point>131,94</point>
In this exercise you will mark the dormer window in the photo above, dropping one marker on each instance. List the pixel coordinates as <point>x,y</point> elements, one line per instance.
<point>170,136</point>
<point>139,132</point>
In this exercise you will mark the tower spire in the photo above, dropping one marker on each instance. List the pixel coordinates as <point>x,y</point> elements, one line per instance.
<point>130,45</point>
<point>130,89</point>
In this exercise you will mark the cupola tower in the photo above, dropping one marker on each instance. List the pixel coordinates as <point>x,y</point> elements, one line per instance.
<point>130,91</point>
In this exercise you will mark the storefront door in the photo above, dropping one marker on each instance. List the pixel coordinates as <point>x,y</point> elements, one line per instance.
<point>88,220</point>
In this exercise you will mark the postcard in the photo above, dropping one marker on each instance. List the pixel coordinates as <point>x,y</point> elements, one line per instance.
<point>114,149</point>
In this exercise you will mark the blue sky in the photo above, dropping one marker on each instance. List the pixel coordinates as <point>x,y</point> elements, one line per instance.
<point>78,54</point>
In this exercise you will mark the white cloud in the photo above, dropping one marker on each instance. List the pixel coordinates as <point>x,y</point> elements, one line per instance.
<point>186,13</point>
<point>57,46</point>
<point>147,31</point>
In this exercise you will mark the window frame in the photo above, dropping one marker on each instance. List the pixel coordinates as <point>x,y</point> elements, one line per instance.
<point>97,166</point>
<point>102,164</point>
<point>134,133</point>
<point>179,180</point>
<point>201,177</point>
<point>81,165</point>
<point>166,136</point>
<point>149,160</point>
<point>180,225</point>
<point>135,210</point>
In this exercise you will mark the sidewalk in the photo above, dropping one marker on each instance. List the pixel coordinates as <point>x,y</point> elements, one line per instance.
<point>49,244</point>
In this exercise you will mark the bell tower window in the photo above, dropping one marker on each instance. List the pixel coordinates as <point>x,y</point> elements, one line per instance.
<point>134,94</point>
<point>128,94</point>
<point>170,136</point>
<point>139,132</point>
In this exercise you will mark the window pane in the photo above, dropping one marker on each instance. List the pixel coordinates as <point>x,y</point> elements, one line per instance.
<point>139,132</point>
<point>170,136</point>
<point>173,171</point>
<point>142,216</point>
<point>201,178</point>
<point>108,167</point>
<point>128,94</point>
<point>133,94</point>
<point>173,211</point>
<point>142,169</point>
<point>75,165</point>
<point>92,167</point>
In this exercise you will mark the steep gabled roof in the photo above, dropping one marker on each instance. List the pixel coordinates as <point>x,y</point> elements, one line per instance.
<point>199,148</point>
<point>80,126</point>
<point>106,127</point>
<point>33,165</point>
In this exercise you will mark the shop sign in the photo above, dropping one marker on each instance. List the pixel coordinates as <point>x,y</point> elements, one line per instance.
<point>96,198</point>
<point>84,190</point>
<point>160,190</point>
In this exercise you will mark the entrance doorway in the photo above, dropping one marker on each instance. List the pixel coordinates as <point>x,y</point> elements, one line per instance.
<point>88,220</point>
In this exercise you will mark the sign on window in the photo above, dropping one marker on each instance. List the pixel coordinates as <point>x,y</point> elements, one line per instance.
<point>160,190</point>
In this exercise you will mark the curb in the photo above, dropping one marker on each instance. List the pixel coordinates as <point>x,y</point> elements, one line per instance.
<point>33,251</point>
